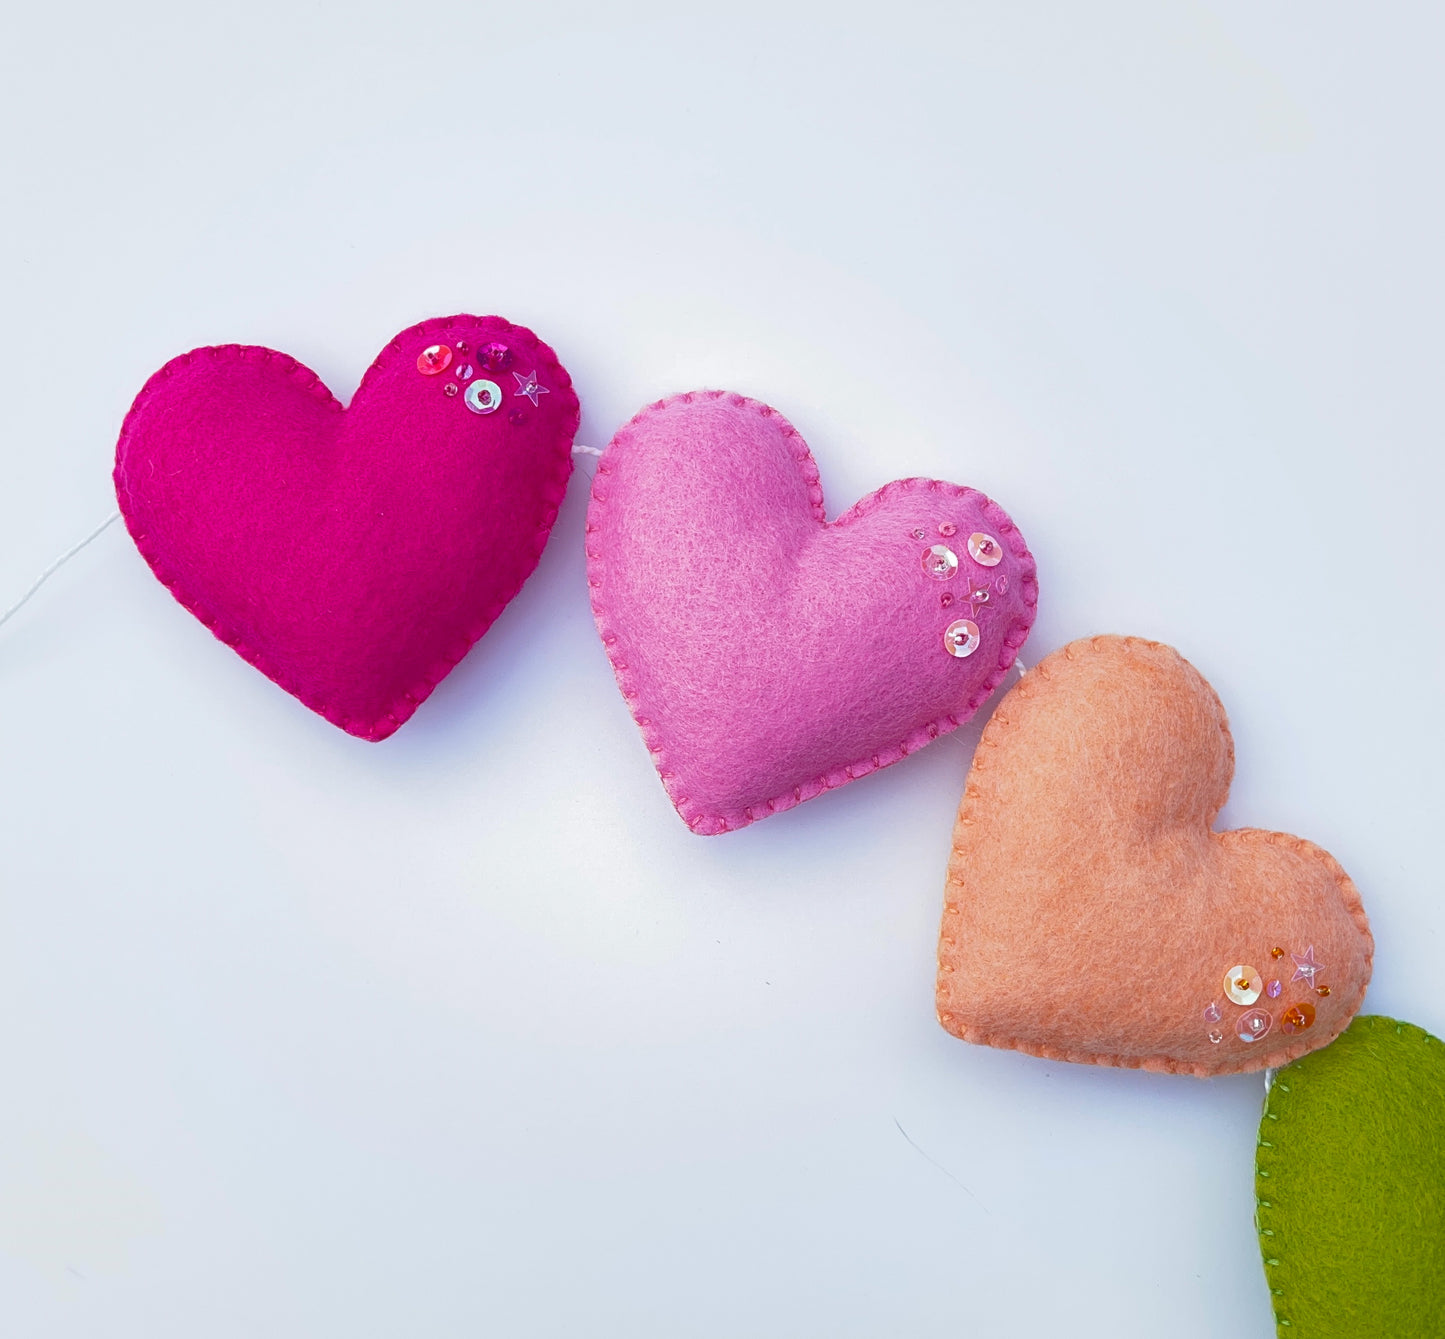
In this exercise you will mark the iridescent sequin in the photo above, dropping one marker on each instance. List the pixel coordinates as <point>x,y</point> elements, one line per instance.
<point>1242,984</point>
<point>961,638</point>
<point>450,388</point>
<point>985,550</point>
<point>1253,1025</point>
<point>484,397</point>
<point>495,358</point>
<point>529,386</point>
<point>433,360</point>
<point>465,372</point>
<point>1297,1017</point>
<point>1273,989</point>
<point>940,562</point>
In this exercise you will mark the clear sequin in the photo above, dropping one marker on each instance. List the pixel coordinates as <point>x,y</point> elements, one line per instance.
<point>450,388</point>
<point>947,529</point>
<point>1242,984</point>
<point>1253,1025</point>
<point>1274,989</point>
<point>1000,584</point>
<point>433,360</point>
<point>1215,1035</point>
<point>940,562</point>
<point>484,397</point>
<point>1211,1012</point>
<point>1297,1017</point>
<point>495,358</point>
<point>466,372</point>
<point>529,386</point>
<point>919,532</point>
<point>961,638</point>
<point>1305,965</point>
<point>985,550</point>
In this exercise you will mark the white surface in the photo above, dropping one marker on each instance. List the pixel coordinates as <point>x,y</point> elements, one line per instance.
<point>464,1034</point>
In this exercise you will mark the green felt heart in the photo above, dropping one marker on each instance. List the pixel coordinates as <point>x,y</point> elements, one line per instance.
<point>1350,1182</point>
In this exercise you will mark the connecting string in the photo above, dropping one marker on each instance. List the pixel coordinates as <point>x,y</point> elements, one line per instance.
<point>56,566</point>
<point>577,449</point>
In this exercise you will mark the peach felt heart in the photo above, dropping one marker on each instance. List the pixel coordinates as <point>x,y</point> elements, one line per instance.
<point>1092,913</point>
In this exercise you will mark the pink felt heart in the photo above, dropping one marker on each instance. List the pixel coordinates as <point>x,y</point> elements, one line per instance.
<point>768,654</point>
<point>352,555</point>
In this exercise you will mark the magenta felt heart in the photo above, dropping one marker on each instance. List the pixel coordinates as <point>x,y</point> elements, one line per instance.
<point>352,555</point>
<point>767,653</point>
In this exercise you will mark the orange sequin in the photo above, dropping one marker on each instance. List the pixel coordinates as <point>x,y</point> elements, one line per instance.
<point>1297,1017</point>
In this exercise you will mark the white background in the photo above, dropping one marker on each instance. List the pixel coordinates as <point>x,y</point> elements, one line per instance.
<point>464,1034</point>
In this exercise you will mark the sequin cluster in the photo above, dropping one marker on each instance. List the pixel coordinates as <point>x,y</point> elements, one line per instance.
<point>1243,985</point>
<point>940,562</point>
<point>480,394</point>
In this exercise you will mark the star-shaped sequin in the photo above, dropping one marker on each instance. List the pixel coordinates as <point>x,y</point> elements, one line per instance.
<point>1305,965</point>
<point>529,386</point>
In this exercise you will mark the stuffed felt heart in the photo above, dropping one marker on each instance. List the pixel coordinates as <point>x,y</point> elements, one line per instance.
<point>1091,912</point>
<point>352,555</point>
<point>1350,1179</point>
<point>766,653</point>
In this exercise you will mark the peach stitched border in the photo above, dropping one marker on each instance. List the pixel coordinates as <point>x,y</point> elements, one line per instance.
<point>994,734</point>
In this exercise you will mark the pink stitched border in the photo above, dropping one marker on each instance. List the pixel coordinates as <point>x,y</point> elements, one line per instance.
<point>406,703</point>
<point>998,728</point>
<point>699,819</point>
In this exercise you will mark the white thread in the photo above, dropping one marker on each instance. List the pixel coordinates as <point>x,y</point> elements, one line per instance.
<point>56,566</point>
<point>1021,667</point>
<point>579,450</point>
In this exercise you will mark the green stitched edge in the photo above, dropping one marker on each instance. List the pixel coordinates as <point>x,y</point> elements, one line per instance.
<point>1286,1082</point>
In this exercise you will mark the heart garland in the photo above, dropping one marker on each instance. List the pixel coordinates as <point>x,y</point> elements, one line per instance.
<point>1092,913</point>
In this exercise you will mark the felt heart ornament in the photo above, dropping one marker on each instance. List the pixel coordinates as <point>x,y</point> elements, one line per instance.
<point>352,555</point>
<point>1350,1185</point>
<point>1091,911</point>
<point>767,653</point>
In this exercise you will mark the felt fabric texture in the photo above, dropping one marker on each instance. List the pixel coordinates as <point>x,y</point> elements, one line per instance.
<point>352,555</point>
<point>1092,913</point>
<point>1350,1182</point>
<point>766,653</point>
